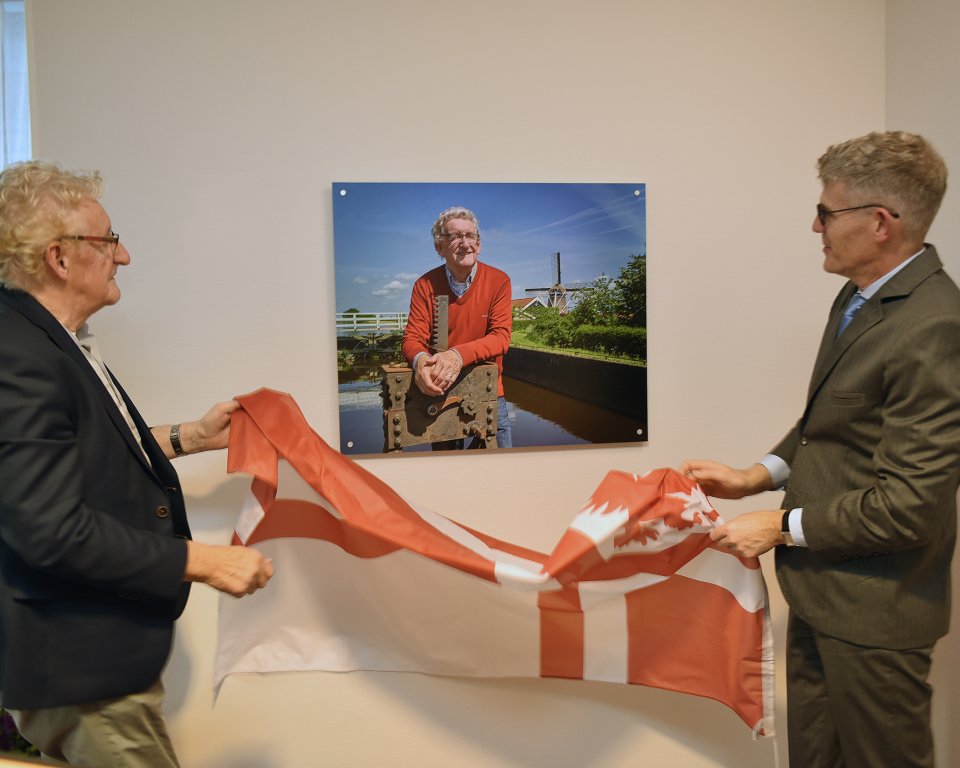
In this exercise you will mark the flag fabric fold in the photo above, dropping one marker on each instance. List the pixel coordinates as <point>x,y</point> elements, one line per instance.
<point>634,592</point>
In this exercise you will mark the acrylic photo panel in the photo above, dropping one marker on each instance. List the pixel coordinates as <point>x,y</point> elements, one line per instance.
<point>575,371</point>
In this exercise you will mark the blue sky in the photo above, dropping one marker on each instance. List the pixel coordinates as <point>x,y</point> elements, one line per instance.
<point>382,240</point>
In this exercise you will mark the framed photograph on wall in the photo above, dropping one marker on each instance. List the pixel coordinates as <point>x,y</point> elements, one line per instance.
<point>538,290</point>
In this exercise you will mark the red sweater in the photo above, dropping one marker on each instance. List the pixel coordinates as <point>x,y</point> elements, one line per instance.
<point>480,320</point>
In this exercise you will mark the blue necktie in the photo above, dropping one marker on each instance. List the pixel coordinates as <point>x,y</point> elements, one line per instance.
<point>856,301</point>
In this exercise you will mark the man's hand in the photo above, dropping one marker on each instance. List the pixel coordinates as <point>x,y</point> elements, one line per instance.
<point>725,482</point>
<point>447,367</point>
<point>236,570</point>
<point>423,377</point>
<point>210,432</point>
<point>437,373</point>
<point>751,534</point>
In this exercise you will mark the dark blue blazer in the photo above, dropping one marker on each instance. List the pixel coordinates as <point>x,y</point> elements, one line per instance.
<point>91,534</point>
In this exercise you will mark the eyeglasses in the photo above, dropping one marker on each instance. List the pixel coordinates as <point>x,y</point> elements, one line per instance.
<point>113,238</point>
<point>823,211</point>
<point>456,237</point>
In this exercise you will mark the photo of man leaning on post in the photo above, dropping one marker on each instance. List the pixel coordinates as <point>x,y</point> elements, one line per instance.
<point>480,318</point>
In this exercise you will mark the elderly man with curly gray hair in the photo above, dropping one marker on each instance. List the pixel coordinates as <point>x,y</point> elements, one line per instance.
<point>95,551</point>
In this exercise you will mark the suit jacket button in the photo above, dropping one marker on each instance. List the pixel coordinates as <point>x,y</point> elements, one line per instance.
<point>804,440</point>
<point>162,511</point>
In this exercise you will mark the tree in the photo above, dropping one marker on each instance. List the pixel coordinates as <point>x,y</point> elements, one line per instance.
<point>596,304</point>
<point>631,290</point>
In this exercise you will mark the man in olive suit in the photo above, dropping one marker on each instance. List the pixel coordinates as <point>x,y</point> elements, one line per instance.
<point>867,529</point>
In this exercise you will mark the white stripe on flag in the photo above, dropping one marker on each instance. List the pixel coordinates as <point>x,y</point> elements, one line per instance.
<point>326,609</point>
<point>605,635</point>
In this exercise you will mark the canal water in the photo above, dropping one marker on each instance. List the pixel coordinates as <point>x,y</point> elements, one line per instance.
<point>539,417</point>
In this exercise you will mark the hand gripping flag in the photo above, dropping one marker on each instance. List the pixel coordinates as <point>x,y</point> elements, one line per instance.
<point>634,591</point>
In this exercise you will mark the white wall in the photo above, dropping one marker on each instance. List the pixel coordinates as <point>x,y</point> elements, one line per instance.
<point>219,126</point>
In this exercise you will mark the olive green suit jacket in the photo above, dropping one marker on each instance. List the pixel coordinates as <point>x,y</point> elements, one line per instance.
<point>875,465</point>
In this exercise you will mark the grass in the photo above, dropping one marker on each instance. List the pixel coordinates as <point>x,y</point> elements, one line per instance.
<point>521,338</point>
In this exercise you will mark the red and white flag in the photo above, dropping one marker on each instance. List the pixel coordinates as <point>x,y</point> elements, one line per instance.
<point>634,591</point>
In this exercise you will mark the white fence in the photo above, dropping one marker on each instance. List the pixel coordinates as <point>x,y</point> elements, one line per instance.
<point>370,323</point>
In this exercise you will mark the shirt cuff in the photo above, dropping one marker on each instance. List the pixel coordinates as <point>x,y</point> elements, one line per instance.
<point>795,522</point>
<point>779,470</point>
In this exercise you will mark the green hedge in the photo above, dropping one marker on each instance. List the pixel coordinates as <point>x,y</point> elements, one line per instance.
<point>611,340</point>
<point>620,339</point>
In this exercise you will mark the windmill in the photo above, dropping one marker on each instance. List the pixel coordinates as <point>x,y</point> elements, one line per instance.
<point>557,295</point>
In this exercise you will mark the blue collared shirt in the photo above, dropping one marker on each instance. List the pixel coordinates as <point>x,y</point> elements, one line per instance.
<point>460,288</point>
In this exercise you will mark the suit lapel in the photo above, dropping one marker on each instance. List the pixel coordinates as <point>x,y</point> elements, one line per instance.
<point>828,344</point>
<point>37,314</point>
<point>161,465</point>
<point>832,349</point>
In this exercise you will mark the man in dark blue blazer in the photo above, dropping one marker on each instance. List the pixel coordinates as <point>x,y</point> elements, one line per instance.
<point>95,551</point>
<point>867,528</point>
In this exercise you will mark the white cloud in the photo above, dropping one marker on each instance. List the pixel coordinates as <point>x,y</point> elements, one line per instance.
<point>391,288</point>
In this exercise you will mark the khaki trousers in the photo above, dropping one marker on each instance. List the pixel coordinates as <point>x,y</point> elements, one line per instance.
<point>126,732</point>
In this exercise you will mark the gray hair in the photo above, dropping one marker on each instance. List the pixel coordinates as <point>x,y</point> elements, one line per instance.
<point>897,169</point>
<point>35,199</point>
<point>456,212</point>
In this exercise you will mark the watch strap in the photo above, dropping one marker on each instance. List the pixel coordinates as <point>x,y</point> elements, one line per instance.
<point>785,529</point>
<point>175,441</point>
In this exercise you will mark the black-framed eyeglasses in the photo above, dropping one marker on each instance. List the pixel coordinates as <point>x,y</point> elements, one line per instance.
<point>823,211</point>
<point>456,237</point>
<point>113,238</point>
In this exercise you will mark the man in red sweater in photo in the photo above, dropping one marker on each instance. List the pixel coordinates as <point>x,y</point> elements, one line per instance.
<point>480,315</point>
